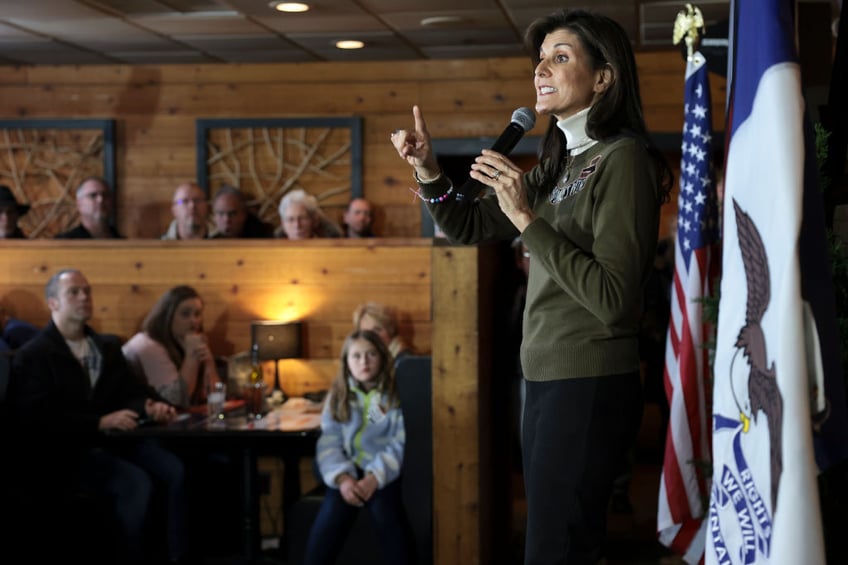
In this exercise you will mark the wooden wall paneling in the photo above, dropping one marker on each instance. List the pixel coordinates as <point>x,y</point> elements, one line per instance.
<point>155,107</point>
<point>263,73</point>
<point>149,216</point>
<point>400,220</point>
<point>156,161</point>
<point>155,130</point>
<point>321,281</point>
<point>330,335</point>
<point>403,261</point>
<point>456,399</point>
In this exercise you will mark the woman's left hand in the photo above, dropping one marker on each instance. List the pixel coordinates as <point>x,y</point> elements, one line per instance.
<point>507,179</point>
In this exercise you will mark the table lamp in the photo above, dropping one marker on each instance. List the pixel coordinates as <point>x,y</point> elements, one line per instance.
<point>277,340</point>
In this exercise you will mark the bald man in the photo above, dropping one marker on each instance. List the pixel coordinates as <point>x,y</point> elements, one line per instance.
<point>191,214</point>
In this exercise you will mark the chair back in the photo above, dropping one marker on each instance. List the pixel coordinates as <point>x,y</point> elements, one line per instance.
<point>414,383</point>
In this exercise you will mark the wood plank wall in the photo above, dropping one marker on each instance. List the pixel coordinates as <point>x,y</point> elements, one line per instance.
<point>155,108</point>
<point>321,281</point>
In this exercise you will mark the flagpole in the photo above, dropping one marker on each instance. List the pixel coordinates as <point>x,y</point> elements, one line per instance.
<point>684,484</point>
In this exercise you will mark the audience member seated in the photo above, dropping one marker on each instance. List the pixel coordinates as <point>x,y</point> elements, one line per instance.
<point>15,332</point>
<point>69,384</point>
<point>302,218</point>
<point>10,213</point>
<point>359,218</point>
<point>171,352</point>
<point>360,455</point>
<point>381,320</point>
<point>233,219</point>
<point>191,214</point>
<point>94,205</point>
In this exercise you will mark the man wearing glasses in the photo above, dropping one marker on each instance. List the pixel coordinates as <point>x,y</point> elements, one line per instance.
<point>191,214</point>
<point>94,206</point>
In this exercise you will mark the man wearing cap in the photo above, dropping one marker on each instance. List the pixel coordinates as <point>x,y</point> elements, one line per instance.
<point>10,213</point>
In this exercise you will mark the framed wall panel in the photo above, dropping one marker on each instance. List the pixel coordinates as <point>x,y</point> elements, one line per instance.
<point>268,157</point>
<point>44,160</point>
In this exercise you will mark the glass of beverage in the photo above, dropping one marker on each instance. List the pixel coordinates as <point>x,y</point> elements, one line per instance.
<point>215,399</point>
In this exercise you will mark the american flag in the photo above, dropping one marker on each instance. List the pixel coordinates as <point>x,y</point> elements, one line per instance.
<point>683,485</point>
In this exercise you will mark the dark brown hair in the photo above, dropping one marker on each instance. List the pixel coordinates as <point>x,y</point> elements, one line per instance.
<point>157,324</point>
<point>618,111</point>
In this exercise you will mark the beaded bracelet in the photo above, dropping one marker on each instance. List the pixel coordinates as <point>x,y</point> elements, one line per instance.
<point>434,200</point>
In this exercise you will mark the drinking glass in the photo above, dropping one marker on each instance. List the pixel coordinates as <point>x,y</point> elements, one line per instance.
<point>215,399</point>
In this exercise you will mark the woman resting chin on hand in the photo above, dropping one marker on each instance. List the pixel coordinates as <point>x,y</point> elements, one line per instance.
<point>171,352</point>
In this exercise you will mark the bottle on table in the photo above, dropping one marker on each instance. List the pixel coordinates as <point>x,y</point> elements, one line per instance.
<point>255,389</point>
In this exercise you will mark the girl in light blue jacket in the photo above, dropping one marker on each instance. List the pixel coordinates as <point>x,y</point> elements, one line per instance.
<point>360,453</point>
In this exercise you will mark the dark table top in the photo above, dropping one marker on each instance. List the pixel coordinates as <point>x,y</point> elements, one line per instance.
<point>296,423</point>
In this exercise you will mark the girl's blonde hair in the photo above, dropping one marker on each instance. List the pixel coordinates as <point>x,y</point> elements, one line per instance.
<point>340,393</point>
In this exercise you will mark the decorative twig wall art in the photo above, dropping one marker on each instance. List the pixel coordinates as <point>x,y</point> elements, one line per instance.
<point>268,157</point>
<point>43,162</point>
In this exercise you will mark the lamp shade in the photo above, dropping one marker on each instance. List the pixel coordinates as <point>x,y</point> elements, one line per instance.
<point>277,340</point>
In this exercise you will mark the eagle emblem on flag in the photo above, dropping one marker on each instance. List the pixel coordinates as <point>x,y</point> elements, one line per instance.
<point>763,392</point>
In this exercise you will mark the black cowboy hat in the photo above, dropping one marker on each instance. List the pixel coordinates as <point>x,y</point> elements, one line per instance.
<point>6,197</point>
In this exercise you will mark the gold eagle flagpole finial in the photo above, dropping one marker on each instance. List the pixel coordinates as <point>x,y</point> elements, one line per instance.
<point>689,26</point>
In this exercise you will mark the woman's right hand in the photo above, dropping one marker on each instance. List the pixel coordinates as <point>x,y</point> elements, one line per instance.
<point>196,347</point>
<point>416,148</point>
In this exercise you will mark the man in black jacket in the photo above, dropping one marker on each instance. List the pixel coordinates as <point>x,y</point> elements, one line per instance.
<point>233,219</point>
<point>69,385</point>
<point>95,202</point>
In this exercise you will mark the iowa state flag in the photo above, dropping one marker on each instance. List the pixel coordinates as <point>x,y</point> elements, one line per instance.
<point>775,331</point>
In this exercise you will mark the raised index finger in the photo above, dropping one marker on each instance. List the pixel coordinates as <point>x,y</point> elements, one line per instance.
<point>420,126</point>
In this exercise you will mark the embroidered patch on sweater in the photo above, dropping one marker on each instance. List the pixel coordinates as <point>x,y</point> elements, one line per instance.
<point>564,189</point>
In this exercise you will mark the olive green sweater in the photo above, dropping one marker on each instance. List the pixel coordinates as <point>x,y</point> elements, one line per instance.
<point>591,246</point>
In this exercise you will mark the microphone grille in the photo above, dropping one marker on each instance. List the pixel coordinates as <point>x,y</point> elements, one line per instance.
<point>525,118</point>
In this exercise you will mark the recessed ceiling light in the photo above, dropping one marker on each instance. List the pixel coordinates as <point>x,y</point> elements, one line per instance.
<point>436,21</point>
<point>349,44</point>
<point>290,7</point>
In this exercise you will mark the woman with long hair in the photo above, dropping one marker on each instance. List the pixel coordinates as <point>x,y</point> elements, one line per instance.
<point>588,214</point>
<point>171,351</point>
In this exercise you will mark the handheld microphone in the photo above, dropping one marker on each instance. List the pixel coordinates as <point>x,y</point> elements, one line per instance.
<point>523,120</point>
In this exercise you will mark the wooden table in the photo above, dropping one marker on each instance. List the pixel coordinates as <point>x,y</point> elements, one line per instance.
<point>288,431</point>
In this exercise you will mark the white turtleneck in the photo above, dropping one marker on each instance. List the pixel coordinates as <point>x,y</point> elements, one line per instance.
<point>574,128</point>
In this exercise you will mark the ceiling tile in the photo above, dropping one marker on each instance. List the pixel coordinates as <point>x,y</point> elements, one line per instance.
<point>149,31</point>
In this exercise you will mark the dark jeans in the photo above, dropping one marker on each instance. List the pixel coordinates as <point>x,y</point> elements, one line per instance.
<point>130,477</point>
<point>336,518</point>
<point>577,433</point>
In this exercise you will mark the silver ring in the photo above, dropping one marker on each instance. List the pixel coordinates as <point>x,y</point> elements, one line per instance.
<point>497,174</point>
